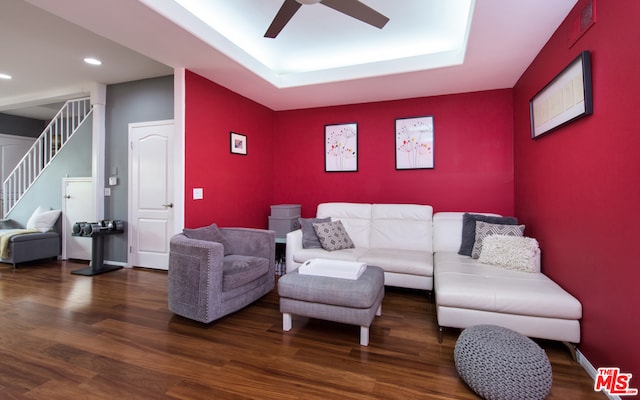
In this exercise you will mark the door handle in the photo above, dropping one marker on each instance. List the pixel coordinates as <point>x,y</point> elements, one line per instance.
<point>170,205</point>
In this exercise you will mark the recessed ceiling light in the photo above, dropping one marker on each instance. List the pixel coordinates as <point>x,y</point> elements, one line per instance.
<point>92,61</point>
<point>5,76</point>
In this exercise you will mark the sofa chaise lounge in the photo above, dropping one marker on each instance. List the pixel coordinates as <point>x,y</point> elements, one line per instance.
<point>468,292</point>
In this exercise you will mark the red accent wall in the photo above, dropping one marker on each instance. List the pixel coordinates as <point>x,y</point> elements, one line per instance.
<point>577,188</point>
<point>473,143</point>
<point>238,189</point>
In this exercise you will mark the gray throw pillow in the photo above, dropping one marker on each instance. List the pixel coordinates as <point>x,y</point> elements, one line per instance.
<point>333,236</point>
<point>309,237</point>
<point>484,229</point>
<point>209,233</point>
<point>469,229</point>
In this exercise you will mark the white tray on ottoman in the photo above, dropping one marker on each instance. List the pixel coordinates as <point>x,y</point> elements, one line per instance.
<point>348,301</point>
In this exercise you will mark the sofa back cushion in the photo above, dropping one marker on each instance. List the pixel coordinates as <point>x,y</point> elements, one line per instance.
<point>447,231</point>
<point>401,226</point>
<point>355,217</point>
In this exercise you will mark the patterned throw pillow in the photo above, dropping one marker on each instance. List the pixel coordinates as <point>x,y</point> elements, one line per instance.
<point>517,253</point>
<point>484,229</point>
<point>333,236</point>
<point>469,229</point>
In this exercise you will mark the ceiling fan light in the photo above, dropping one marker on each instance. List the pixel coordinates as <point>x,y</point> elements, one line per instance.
<point>307,2</point>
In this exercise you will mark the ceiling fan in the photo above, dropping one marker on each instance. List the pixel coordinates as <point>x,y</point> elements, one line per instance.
<point>352,8</point>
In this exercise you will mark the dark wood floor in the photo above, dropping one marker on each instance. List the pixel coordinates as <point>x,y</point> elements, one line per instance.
<point>111,336</point>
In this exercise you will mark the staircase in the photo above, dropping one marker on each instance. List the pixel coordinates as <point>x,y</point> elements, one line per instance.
<point>42,153</point>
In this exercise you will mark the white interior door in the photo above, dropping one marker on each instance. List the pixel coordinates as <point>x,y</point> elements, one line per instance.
<point>150,193</point>
<point>77,206</point>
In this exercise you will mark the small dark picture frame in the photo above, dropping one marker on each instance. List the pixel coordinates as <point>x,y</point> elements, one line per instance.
<point>238,143</point>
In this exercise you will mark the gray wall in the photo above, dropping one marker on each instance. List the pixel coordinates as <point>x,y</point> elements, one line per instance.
<point>21,126</point>
<point>138,101</point>
<point>74,160</point>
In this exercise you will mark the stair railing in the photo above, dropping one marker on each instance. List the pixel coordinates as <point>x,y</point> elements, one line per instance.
<point>43,151</point>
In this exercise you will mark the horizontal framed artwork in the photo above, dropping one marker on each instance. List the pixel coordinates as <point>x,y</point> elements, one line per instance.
<point>414,143</point>
<point>238,143</point>
<point>341,147</point>
<point>566,98</point>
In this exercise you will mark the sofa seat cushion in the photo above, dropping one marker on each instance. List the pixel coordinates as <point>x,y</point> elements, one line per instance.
<point>239,270</point>
<point>470,284</point>
<point>354,254</point>
<point>400,261</point>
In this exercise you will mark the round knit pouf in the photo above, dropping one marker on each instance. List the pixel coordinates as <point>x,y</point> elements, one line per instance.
<point>498,363</point>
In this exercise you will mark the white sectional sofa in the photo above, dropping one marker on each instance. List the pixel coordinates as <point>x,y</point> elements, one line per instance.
<point>471,293</point>
<point>395,237</point>
<point>419,250</point>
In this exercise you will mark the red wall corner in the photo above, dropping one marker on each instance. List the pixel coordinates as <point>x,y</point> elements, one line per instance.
<point>238,189</point>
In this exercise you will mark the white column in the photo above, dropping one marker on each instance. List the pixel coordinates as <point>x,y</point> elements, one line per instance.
<point>179,148</point>
<point>98,101</point>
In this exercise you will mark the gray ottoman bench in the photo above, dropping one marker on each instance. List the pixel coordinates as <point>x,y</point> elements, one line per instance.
<point>346,301</point>
<point>498,363</point>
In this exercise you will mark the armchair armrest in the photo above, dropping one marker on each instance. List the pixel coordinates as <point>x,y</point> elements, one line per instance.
<point>184,250</point>
<point>195,277</point>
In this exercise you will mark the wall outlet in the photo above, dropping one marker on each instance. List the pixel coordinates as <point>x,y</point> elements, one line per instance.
<point>107,191</point>
<point>198,193</point>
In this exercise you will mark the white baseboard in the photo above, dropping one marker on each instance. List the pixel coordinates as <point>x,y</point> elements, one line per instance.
<point>593,373</point>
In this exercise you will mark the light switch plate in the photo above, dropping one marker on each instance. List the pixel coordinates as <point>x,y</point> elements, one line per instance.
<point>198,194</point>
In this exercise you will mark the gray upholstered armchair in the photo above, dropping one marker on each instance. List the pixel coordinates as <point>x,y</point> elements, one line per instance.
<point>216,271</point>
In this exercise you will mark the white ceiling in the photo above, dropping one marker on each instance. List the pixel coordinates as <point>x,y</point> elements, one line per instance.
<point>321,45</point>
<point>147,38</point>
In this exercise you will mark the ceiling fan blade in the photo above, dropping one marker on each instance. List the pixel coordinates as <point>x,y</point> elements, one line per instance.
<point>358,10</point>
<point>288,9</point>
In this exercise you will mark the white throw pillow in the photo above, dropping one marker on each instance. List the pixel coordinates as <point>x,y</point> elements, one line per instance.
<point>43,220</point>
<point>484,229</point>
<point>31,223</point>
<point>516,253</point>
